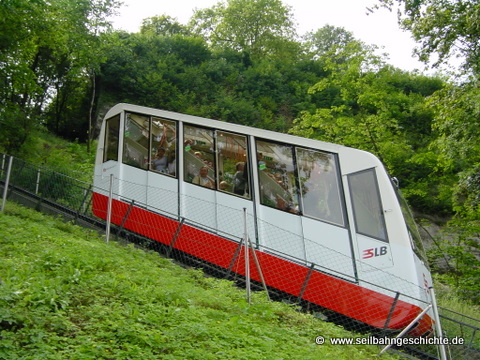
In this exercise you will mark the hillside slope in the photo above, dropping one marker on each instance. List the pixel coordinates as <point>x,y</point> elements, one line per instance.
<point>67,294</point>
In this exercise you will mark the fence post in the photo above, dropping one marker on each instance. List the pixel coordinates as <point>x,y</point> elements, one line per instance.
<point>109,208</point>
<point>409,326</point>
<point>3,164</point>
<point>37,185</point>
<point>390,313</point>
<point>234,258</point>
<point>82,208</point>
<point>305,283</point>
<point>124,220</point>
<point>7,180</point>
<point>259,269</point>
<point>175,236</point>
<point>247,256</point>
<point>438,326</point>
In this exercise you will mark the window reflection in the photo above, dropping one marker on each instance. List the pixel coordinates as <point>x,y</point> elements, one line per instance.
<point>277,176</point>
<point>367,206</point>
<point>136,140</point>
<point>199,160</point>
<point>218,160</point>
<point>111,139</point>
<point>163,146</point>
<point>232,164</point>
<point>319,189</point>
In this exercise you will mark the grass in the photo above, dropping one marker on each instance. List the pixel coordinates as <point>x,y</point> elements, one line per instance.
<point>47,150</point>
<point>448,299</point>
<point>67,294</point>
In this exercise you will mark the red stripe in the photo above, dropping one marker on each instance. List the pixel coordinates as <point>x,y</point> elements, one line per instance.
<point>341,296</point>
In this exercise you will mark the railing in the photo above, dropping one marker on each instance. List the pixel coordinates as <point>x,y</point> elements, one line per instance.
<point>49,190</point>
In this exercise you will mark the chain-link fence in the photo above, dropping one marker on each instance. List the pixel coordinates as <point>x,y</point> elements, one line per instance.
<point>321,282</point>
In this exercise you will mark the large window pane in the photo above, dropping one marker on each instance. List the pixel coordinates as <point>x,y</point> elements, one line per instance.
<point>232,167</point>
<point>163,146</point>
<point>199,159</point>
<point>319,185</point>
<point>136,140</point>
<point>367,207</point>
<point>111,139</point>
<point>276,176</point>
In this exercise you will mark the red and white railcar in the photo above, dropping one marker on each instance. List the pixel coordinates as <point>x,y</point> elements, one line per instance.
<point>327,223</point>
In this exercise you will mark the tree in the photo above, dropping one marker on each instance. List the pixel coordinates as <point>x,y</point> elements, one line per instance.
<point>254,27</point>
<point>375,107</point>
<point>460,247</point>
<point>327,41</point>
<point>443,28</point>
<point>458,141</point>
<point>157,71</point>
<point>163,25</point>
<point>353,106</point>
<point>46,46</point>
<point>456,122</point>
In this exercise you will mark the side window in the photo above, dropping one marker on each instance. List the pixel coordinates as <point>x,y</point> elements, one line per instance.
<point>111,139</point>
<point>277,176</point>
<point>232,154</point>
<point>319,185</point>
<point>367,206</point>
<point>136,140</point>
<point>199,159</point>
<point>163,146</point>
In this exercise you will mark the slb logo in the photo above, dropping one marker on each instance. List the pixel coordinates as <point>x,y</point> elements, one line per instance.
<point>369,253</point>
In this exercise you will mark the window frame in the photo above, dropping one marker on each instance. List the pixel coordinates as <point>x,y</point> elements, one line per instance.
<point>150,156</point>
<point>295,193</point>
<point>378,199</point>
<point>246,164</point>
<point>184,165</point>
<point>106,144</point>
<point>339,184</point>
<point>146,166</point>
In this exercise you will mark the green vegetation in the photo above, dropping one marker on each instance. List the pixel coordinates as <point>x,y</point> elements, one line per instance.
<point>459,246</point>
<point>52,152</point>
<point>449,300</point>
<point>67,294</point>
<point>62,67</point>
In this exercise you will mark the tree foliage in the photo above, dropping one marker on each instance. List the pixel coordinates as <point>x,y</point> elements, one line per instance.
<point>443,29</point>
<point>46,48</point>
<point>328,41</point>
<point>254,27</point>
<point>461,251</point>
<point>383,110</point>
<point>163,25</point>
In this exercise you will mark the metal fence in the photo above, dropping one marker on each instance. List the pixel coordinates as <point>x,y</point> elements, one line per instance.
<point>295,281</point>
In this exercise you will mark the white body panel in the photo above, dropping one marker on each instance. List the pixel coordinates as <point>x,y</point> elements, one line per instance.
<point>162,194</point>
<point>281,231</point>
<point>231,215</point>
<point>133,184</point>
<point>329,246</point>
<point>198,205</point>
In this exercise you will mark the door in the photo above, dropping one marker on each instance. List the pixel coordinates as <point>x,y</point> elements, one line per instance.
<point>234,200</point>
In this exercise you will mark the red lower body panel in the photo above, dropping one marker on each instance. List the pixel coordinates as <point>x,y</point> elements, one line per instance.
<point>343,297</point>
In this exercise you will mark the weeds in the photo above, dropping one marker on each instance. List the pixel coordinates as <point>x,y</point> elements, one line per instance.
<point>66,294</point>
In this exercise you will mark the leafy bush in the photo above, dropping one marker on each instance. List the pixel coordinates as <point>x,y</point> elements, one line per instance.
<point>460,255</point>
